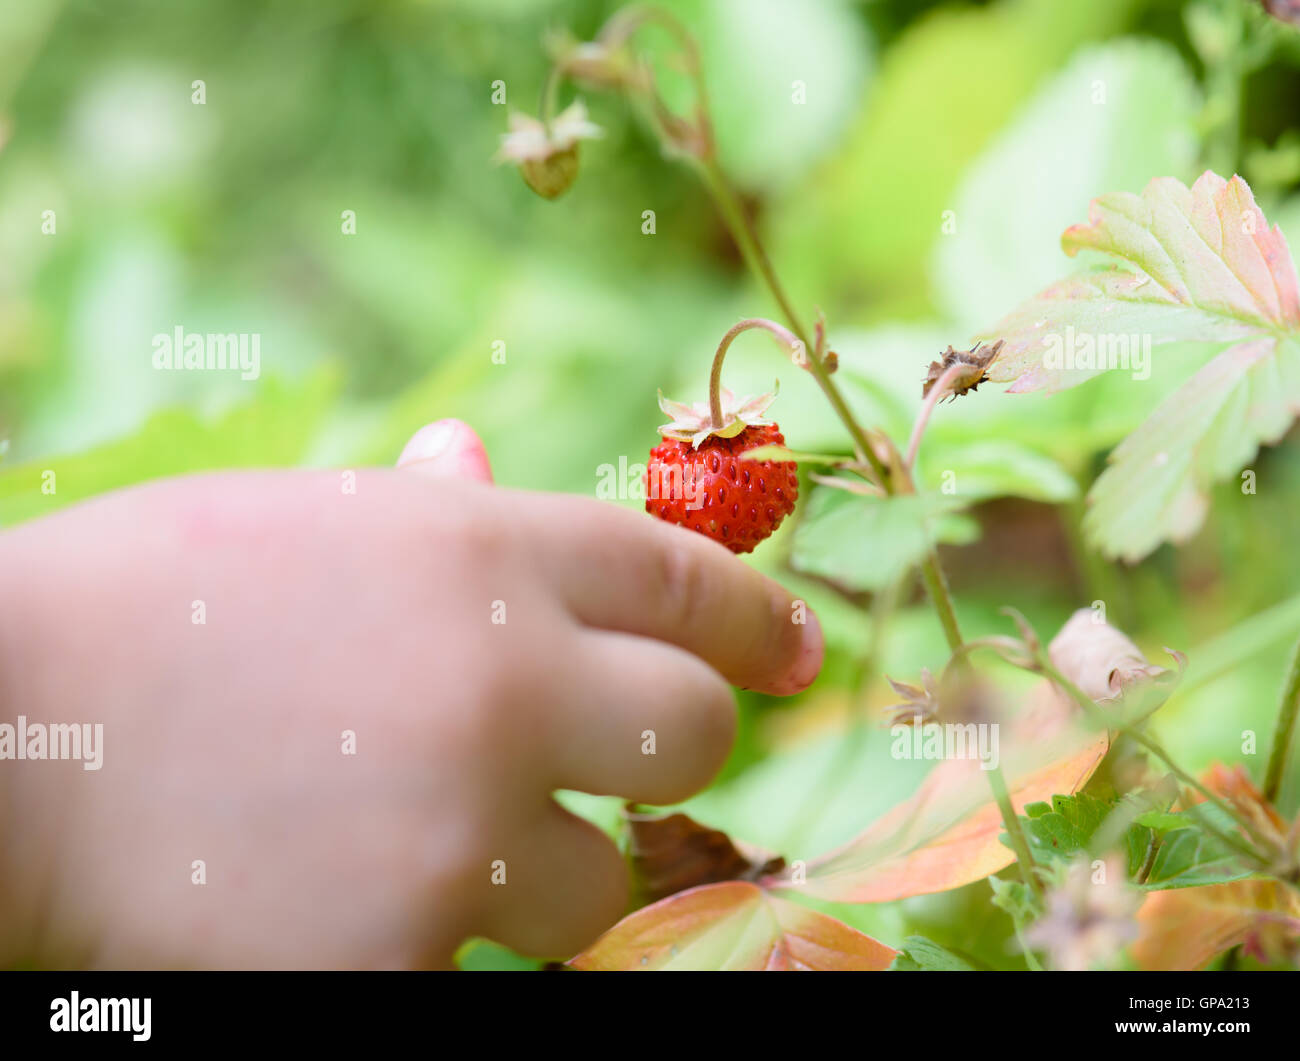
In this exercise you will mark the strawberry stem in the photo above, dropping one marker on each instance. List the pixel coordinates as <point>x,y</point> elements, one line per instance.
<point>751,247</point>
<point>551,96</point>
<point>715,378</point>
<point>696,143</point>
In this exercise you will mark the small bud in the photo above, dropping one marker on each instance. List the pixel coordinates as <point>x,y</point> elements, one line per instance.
<point>595,64</point>
<point>548,157</point>
<point>550,177</point>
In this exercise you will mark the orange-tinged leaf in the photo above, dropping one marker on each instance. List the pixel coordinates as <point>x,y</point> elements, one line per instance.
<point>949,834</point>
<point>945,836</point>
<point>1186,927</point>
<point>735,925</point>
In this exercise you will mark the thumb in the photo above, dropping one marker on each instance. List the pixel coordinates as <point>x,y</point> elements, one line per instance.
<point>447,449</point>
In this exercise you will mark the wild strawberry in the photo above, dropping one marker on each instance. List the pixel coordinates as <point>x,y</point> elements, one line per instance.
<point>697,478</point>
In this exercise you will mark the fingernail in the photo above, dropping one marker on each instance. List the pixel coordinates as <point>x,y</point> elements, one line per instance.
<point>811,650</point>
<point>432,440</point>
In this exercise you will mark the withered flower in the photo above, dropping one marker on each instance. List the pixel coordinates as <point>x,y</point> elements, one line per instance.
<point>974,363</point>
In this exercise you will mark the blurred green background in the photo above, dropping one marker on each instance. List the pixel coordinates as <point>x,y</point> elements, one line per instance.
<point>227,217</point>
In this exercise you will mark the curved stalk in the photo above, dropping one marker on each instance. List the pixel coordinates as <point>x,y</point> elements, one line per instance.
<point>932,399</point>
<point>715,376</point>
<point>751,248</point>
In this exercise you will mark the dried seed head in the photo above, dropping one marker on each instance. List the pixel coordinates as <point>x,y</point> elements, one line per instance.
<point>974,362</point>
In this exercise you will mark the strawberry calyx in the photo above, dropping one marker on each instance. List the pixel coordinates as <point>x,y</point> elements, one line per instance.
<point>694,422</point>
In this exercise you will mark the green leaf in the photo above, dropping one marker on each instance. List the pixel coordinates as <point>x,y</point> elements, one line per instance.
<point>482,955</point>
<point>1191,856</point>
<point>1186,854</point>
<point>924,955</point>
<point>1157,485</point>
<point>783,453</point>
<point>274,429</point>
<point>1161,822</point>
<point>865,543</point>
<point>1190,265</point>
<point>1014,898</point>
<point>869,219</point>
<point>1068,826</point>
<point>998,468</point>
<point>1132,102</point>
<point>755,58</point>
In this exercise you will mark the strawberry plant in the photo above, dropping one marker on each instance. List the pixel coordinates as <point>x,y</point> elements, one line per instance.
<point>1095,843</point>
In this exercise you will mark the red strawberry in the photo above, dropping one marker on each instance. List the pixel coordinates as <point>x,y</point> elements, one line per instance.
<point>696,477</point>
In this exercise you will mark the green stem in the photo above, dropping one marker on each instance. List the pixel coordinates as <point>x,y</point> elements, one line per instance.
<point>551,94</point>
<point>742,227</point>
<point>1030,960</point>
<point>1284,730</point>
<point>618,31</point>
<point>937,586</point>
<point>1153,846</point>
<point>1024,857</point>
<point>751,248</point>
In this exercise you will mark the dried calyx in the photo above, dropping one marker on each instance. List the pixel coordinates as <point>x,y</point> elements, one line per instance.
<point>971,367</point>
<point>693,423</point>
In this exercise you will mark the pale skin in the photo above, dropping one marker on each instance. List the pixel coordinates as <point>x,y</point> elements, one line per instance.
<point>326,612</point>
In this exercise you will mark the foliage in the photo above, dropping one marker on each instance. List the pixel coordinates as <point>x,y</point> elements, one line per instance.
<point>916,195</point>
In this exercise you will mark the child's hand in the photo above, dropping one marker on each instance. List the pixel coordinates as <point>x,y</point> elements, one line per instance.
<point>485,647</point>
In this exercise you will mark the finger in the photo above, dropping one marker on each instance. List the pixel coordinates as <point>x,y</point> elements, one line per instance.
<point>564,883</point>
<point>621,570</point>
<point>447,449</point>
<point>650,722</point>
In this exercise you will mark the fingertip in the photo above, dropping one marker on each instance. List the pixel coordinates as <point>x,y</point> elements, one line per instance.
<point>447,449</point>
<point>808,658</point>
